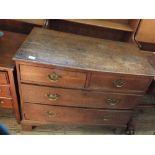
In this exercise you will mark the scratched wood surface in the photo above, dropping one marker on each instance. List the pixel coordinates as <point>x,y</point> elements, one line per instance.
<point>145,125</point>
<point>80,52</point>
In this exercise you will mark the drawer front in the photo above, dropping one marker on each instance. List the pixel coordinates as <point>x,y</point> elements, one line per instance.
<point>119,83</point>
<point>6,103</point>
<point>78,98</point>
<point>5,91</point>
<point>52,77</point>
<point>51,114</point>
<point>3,78</point>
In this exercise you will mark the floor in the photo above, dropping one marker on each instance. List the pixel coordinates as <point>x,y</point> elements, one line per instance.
<point>145,125</point>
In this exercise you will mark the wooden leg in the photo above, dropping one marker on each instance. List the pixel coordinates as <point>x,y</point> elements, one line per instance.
<point>130,128</point>
<point>119,131</point>
<point>27,127</point>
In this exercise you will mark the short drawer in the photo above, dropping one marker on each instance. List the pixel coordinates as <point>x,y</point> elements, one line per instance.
<point>6,103</point>
<point>52,77</point>
<point>5,91</point>
<point>78,98</point>
<point>51,114</point>
<point>3,78</point>
<point>119,83</point>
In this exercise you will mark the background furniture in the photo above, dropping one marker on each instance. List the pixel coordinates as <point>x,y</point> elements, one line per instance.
<point>84,81</point>
<point>22,25</point>
<point>146,34</point>
<point>9,44</point>
<point>113,29</point>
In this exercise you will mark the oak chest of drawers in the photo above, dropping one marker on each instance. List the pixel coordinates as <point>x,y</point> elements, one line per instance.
<point>9,44</point>
<point>72,79</point>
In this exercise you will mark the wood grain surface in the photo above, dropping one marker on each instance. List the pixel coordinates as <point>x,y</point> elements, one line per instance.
<point>78,98</point>
<point>68,115</point>
<point>74,51</point>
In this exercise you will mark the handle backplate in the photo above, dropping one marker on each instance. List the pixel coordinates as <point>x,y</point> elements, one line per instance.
<point>112,101</point>
<point>51,114</point>
<point>53,97</point>
<point>54,77</point>
<point>119,83</point>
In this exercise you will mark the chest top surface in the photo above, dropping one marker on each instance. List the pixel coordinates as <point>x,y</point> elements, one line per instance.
<point>80,52</point>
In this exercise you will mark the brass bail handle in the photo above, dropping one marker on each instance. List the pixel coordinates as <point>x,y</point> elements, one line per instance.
<point>119,83</point>
<point>51,114</point>
<point>106,118</point>
<point>112,101</point>
<point>54,77</point>
<point>53,97</point>
<point>1,102</point>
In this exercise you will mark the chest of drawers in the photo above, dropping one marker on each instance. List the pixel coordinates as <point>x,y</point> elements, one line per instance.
<point>9,43</point>
<point>71,79</point>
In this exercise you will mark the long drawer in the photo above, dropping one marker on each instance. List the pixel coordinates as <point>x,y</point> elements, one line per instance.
<point>52,76</point>
<point>119,83</point>
<point>51,114</point>
<point>78,98</point>
<point>6,103</point>
<point>3,78</point>
<point>5,91</point>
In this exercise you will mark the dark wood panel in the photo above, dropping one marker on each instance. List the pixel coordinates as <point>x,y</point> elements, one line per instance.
<point>119,83</point>
<point>5,91</point>
<point>88,30</point>
<point>78,98</point>
<point>44,113</point>
<point>52,76</point>
<point>9,44</point>
<point>16,26</point>
<point>119,24</point>
<point>40,22</point>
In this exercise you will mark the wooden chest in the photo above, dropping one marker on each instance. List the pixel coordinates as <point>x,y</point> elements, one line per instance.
<point>9,43</point>
<point>72,79</point>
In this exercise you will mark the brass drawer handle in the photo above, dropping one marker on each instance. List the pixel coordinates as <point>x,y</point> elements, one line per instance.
<point>53,97</point>
<point>54,77</point>
<point>106,118</point>
<point>112,102</point>
<point>1,102</point>
<point>51,114</point>
<point>119,83</point>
